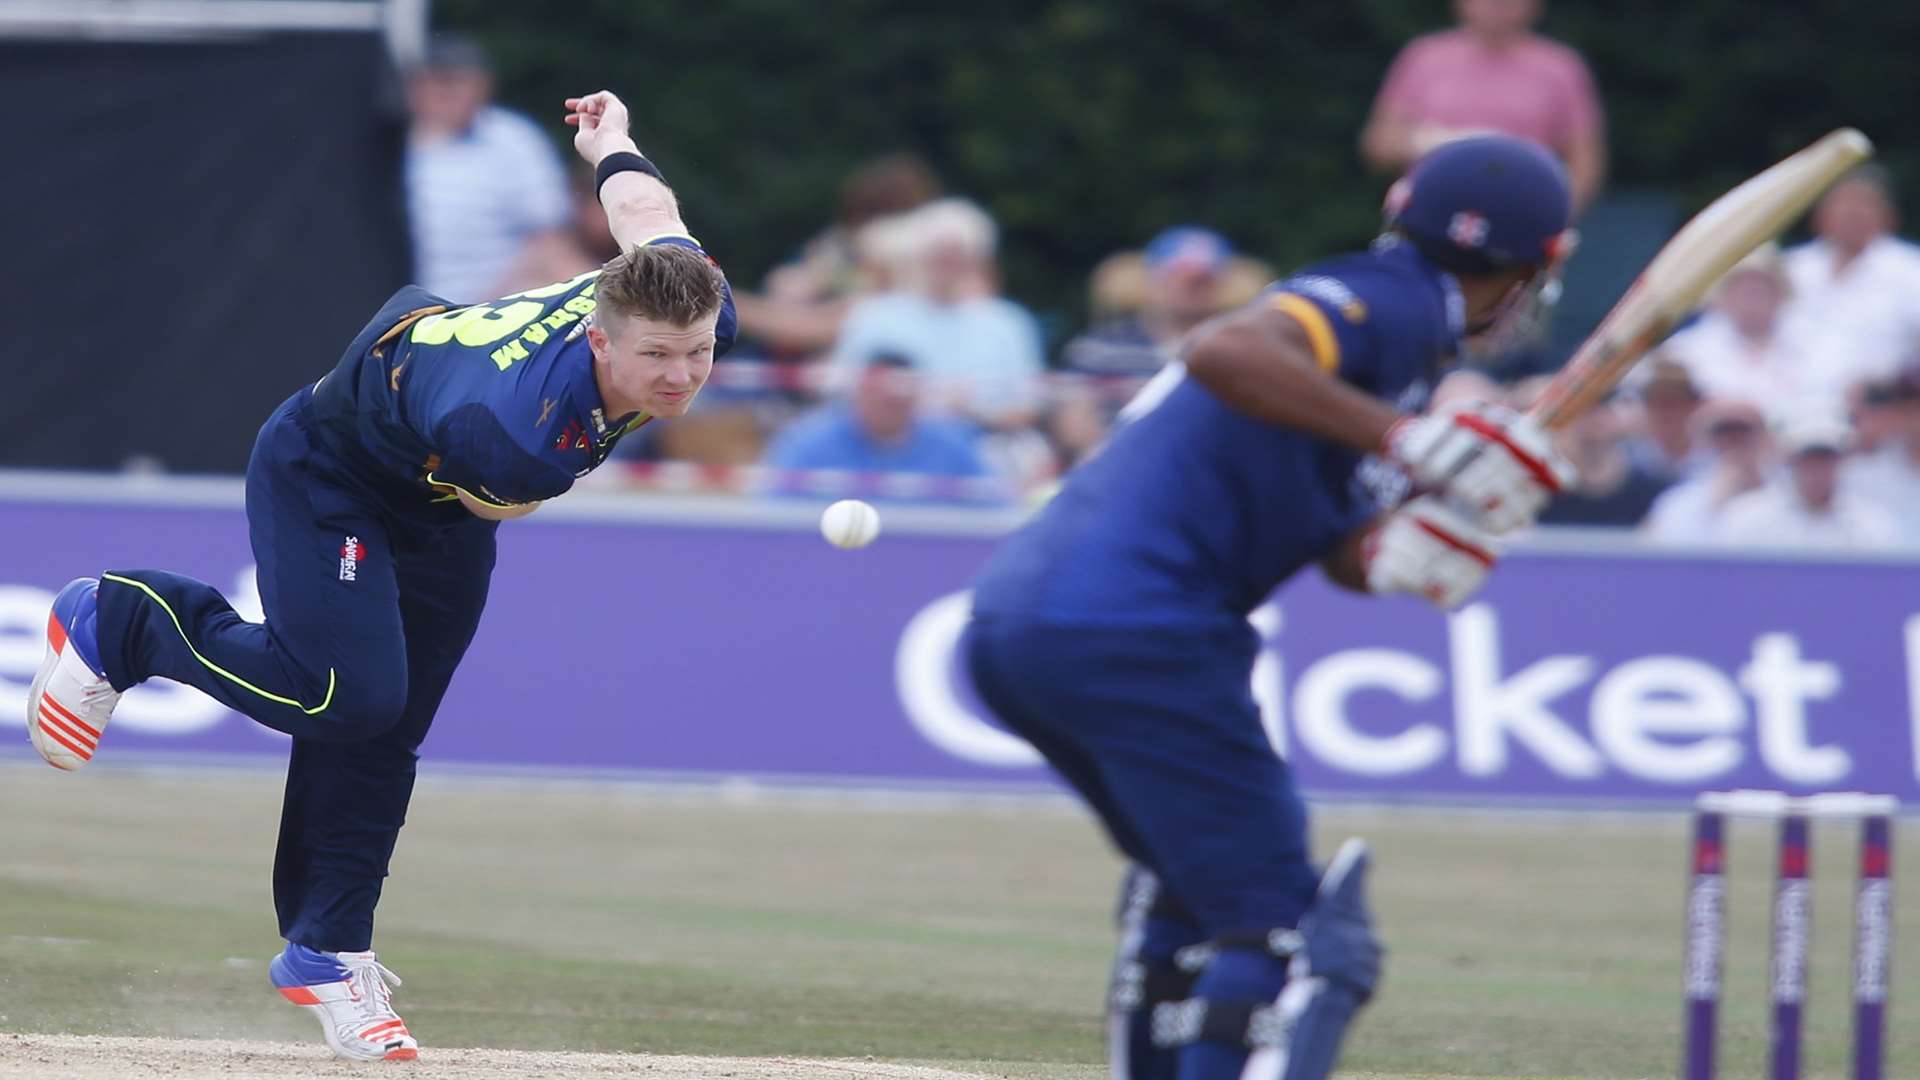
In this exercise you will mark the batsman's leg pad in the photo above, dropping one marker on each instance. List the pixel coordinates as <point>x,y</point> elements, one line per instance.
<point>1156,963</point>
<point>1275,1006</point>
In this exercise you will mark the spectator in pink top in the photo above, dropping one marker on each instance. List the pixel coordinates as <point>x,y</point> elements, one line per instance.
<point>1492,73</point>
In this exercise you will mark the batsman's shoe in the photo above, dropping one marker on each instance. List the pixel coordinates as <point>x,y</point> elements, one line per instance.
<point>71,700</point>
<point>349,993</point>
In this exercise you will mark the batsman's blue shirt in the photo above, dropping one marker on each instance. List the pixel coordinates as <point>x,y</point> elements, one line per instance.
<point>497,399</point>
<point>1193,512</point>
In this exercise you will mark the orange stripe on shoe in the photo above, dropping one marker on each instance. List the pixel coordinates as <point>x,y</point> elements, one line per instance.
<point>46,700</point>
<point>378,1029</point>
<point>53,733</point>
<point>299,995</point>
<point>405,1053</point>
<point>53,718</point>
<point>56,634</point>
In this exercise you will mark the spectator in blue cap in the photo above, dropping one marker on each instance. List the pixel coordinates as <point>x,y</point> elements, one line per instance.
<point>1185,269</point>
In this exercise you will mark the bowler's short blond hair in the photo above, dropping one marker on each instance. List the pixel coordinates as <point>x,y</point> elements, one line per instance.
<point>668,283</point>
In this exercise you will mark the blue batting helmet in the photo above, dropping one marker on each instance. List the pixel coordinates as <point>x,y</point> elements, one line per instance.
<point>1485,203</point>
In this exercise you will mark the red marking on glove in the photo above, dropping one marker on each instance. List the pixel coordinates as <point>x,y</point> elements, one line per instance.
<point>1479,555</point>
<point>1541,474</point>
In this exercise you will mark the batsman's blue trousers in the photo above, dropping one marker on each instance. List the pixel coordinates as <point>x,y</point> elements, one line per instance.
<point>372,593</point>
<point>1158,730</point>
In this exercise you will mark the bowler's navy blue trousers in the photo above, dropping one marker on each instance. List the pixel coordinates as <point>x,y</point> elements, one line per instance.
<point>372,593</point>
<point>1157,729</point>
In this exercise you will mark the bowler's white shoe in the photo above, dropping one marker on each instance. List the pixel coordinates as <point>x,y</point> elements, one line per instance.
<point>349,993</point>
<point>70,701</point>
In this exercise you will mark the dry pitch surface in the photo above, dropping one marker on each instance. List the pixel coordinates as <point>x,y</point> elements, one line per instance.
<point>103,1057</point>
<point>741,934</point>
<point>85,1057</point>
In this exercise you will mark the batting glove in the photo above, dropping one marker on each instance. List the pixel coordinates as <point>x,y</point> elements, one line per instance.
<point>1496,462</point>
<point>1430,550</point>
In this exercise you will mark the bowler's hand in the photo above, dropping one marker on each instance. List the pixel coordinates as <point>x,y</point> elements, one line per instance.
<point>602,120</point>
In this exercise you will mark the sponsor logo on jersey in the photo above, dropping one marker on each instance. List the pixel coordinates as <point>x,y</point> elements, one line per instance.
<point>1331,291</point>
<point>351,552</point>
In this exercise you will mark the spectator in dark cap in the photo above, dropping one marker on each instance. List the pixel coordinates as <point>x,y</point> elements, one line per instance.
<point>879,427</point>
<point>1888,475</point>
<point>484,185</point>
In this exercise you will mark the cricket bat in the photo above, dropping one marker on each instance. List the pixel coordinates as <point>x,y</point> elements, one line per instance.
<point>1677,279</point>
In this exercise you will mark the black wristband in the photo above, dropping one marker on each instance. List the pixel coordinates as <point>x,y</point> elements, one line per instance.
<point>623,161</point>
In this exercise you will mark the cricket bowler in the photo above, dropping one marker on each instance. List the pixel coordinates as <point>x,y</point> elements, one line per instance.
<point>1111,631</point>
<point>372,500</point>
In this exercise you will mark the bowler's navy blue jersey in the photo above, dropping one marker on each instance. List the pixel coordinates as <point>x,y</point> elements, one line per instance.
<point>497,399</point>
<point>1193,512</point>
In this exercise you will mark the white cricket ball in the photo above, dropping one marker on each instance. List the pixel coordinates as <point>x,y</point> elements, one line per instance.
<point>850,523</point>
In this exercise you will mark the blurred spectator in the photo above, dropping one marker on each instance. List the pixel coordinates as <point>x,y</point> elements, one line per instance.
<point>1734,434</point>
<point>1741,347</point>
<point>1664,444</point>
<point>483,184</point>
<point>1888,474</point>
<point>980,351</point>
<point>1185,270</point>
<point>1808,508</point>
<point>1875,408</point>
<point>1077,420</point>
<point>1494,73</point>
<point>878,428</point>
<point>586,244</point>
<point>1611,488</point>
<point>806,300</point>
<point>1856,287</point>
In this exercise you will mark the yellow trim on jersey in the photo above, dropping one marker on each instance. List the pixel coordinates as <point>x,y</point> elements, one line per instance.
<point>1326,347</point>
<point>407,320</point>
<point>216,668</point>
<point>431,479</point>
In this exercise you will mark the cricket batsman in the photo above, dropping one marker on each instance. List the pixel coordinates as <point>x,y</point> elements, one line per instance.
<point>372,501</point>
<point>1111,631</point>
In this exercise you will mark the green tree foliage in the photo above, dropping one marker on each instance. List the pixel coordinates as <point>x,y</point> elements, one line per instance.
<point>1085,125</point>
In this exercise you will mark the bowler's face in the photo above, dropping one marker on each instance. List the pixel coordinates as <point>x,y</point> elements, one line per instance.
<point>654,365</point>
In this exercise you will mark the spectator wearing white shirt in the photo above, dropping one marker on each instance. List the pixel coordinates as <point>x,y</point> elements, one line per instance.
<point>1888,475</point>
<point>1741,347</point>
<point>980,351</point>
<point>1738,455</point>
<point>1856,286</point>
<point>484,185</point>
<point>1808,509</point>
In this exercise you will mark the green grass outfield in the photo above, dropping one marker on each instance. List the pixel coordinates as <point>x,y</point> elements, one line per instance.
<point>968,934</point>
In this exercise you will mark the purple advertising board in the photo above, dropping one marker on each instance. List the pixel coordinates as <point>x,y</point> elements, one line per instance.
<point>740,643</point>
